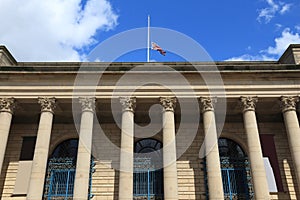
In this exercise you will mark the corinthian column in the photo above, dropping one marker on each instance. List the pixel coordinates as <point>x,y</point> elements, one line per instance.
<point>259,178</point>
<point>82,176</point>
<point>214,177</point>
<point>126,153</point>
<point>7,106</point>
<point>288,105</point>
<point>39,164</point>
<point>169,149</point>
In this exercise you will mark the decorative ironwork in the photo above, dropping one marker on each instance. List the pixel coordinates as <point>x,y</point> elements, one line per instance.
<point>236,178</point>
<point>61,169</point>
<point>60,179</point>
<point>235,170</point>
<point>147,179</point>
<point>146,185</point>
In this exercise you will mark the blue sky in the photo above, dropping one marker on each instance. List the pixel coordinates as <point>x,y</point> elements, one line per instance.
<point>57,30</point>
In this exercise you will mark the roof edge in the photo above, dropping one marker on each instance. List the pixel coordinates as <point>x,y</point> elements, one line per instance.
<point>6,58</point>
<point>291,55</point>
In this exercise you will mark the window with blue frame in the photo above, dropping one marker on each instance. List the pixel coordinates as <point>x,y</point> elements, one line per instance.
<point>148,175</point>
<point>235,169</point>
<point>60,176</point>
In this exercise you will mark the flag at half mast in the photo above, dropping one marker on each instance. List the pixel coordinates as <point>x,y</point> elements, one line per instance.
<point>158,48</point>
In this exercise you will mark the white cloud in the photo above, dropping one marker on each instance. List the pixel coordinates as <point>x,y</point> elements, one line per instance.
<point>248,57</point>
<point>48,30</point>
<point>267,14</point>
<point>278,27</point>
<point>285,8</point>
<point>297,27</point>
<point>272,52</point>
<point>281,43</point>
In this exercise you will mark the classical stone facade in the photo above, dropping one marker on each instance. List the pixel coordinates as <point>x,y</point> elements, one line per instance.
<point>65,137</point>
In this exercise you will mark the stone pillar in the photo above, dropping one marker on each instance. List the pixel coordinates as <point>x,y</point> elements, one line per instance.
<point>126,153</point>
<point>288,105</point>
<point>259,178</point>
<point>7,106</point>
<point>82,175</point>
<point>214,176</point>
<point>39,164</point>
<point>169,149</point>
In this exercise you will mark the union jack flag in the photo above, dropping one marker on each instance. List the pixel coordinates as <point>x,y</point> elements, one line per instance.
<point>158,48</point>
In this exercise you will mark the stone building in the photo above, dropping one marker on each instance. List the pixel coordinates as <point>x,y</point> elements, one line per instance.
<point>65,137</point>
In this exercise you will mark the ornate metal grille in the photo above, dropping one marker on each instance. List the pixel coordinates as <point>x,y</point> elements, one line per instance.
<point>60,179</point>
<point>236,179</point>
<point>60,176</point>
<point>147,179</point>
<point>235,169</point>
<point>147,182</point>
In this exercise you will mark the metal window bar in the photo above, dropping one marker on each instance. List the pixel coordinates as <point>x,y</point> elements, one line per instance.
<point>62,183</point>
<point>59,183</point>
<point>148,184</point>
<point>236,177</point>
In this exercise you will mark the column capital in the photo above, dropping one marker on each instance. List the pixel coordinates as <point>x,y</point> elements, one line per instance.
<point>87,104</point>
<point>128,103</point>
<point>7,105</point>
<point>168,103</point>
<point>207,103</point>
<point>248,103</point>
<point>47,104</point>
<point>288,103</point>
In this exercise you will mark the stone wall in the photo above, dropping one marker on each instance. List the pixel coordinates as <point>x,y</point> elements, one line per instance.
<point>105,178</point>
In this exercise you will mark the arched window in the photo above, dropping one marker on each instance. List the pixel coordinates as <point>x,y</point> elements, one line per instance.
<point>235,169</point>
<point>148,175</point>
<point>60,176</point>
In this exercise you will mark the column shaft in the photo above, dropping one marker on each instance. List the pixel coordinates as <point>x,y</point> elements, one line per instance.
<point>293,131</point>
<point>6,110</point>
<point>126,158</point>
<point>169,150</point>
<point>126,152</point>
<point>259,178</point>
<point>83,165</point>
<point>39,164</point>
<point>214,176</point>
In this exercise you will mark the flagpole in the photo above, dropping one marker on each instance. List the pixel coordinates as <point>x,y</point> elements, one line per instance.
<point>148,40</point>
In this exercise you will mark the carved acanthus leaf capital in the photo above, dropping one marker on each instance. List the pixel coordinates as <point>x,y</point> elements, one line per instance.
<point>7,105</point>
<point>47,104</point>
<point>87,104</point>
<point>288,103</point>
<point>128,103</point>
<point>168,103</point>
<point>248,103</point>
<point>207,103</point>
